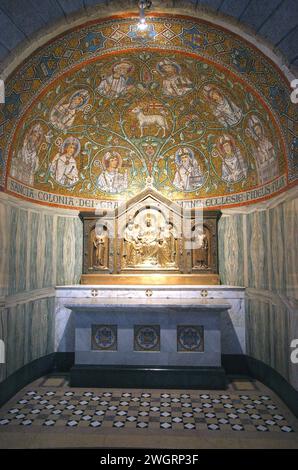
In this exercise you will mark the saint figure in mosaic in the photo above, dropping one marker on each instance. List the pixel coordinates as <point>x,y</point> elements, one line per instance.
<point>189,175</point>
<point>233,166</point>
<point>26,162</point>
<point>63,168</point>
<point>263,150</point>
<point>110,179</point>
<point>223,108</point>
<point>118,82</point>
<point>174,83</point>
<point>63,114</point>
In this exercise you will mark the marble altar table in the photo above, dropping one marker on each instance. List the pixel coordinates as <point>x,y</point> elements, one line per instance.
<point>156,336</point>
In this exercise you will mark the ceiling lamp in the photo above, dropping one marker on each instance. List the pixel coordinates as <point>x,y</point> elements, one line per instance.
<point>143,4</point>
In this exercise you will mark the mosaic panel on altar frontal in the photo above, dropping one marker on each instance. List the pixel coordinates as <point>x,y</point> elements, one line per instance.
<point>101,110</point>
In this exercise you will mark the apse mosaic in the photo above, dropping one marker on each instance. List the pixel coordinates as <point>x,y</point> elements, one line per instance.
<point>102,111</point>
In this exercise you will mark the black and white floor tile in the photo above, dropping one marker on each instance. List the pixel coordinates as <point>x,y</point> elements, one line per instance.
<point>62,407</point>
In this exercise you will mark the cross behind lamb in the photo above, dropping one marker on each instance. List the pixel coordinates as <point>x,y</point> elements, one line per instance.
<point>150,120</point>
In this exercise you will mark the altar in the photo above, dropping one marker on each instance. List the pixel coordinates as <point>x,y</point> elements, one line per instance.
<point>157,336</point>
<point>150,310</point>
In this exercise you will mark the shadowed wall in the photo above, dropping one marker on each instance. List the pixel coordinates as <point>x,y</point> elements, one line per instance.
<point>39,250</point>
<point>257,250</point>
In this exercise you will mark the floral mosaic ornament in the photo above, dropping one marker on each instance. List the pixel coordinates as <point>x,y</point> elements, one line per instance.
<point>104,337</point>
<point>147,338</point>
<point>200,126</point>
<point>190,338</point>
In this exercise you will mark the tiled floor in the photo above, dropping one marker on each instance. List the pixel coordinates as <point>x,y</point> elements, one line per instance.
<point>49,413</point>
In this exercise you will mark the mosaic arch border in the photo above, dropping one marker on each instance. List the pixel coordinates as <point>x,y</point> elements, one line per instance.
<point>257,194</point>
<point>120,8</point>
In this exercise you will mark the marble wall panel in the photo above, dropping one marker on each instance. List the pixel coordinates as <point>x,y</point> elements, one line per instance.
<point>4,248</point>
<point>269,335</point>
<point>290,214</point>
<point>33,243</point>
<point>257,255</point>
<point>277,249</point>
<point>267,240</point>
<point>269,262</point>
<point>230,248</point>
<point>11,260</point>
<point>257,317</point>
<point>69,250</point>
<point>28,332</point>
<point>49,273</point>
<point>3,334</point>
<point>39,249</point>
<point>22,250</point>
<point>293,334</point>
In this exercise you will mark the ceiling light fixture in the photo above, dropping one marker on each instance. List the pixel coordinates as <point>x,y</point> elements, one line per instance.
<point>143,4</point>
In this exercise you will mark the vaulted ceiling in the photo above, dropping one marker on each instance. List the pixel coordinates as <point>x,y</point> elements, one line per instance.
<point>274,20</point>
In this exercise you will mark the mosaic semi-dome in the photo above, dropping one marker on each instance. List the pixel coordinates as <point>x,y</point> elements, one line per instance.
<point>101,111</point>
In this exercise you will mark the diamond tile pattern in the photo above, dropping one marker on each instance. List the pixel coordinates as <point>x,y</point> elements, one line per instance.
<point>168,411</point>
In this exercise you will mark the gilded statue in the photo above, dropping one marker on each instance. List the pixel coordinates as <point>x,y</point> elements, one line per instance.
<point>201,253</point>
<point>150,242</point>
<point>100,243</point>
<point>150,245</point>
<point>132,245</point>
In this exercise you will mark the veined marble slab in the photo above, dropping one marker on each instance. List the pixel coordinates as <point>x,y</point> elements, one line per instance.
<point>27,329</point>
<point>167,315</point>
<point>137,291</point>
<point>266,251</point>
<point>230,298</point>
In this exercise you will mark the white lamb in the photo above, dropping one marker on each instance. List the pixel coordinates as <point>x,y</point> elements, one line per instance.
<point>150,120</point>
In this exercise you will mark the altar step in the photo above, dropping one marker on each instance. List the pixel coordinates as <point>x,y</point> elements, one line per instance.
<point>148,376</point>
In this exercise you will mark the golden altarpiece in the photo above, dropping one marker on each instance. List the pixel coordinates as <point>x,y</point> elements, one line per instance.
<point>150,240</point>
